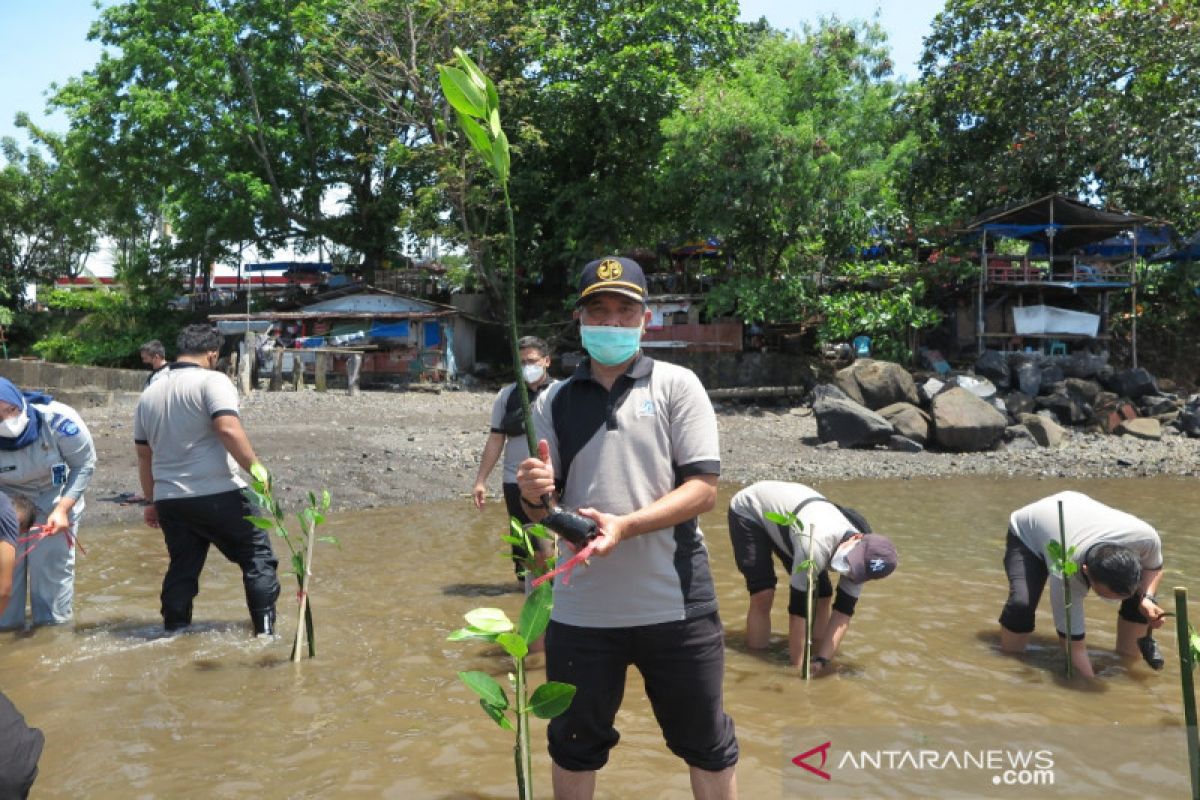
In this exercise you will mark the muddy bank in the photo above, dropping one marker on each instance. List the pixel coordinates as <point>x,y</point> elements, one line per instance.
<point>384,449</point>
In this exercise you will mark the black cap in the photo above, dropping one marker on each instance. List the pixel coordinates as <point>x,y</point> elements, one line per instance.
<point>613,274</point>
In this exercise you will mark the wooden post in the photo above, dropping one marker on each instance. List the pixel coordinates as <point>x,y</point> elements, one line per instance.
<point>353,370</point>
<point>1186,665</point>
<point>276,371</point>
<point>297,372</point>
<point>321,367</point>
<point>246,364</point>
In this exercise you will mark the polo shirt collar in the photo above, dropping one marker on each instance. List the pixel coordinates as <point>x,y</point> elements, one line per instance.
<point>641,367</point>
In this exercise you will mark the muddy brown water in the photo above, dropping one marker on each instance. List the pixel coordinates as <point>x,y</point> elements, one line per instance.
<point>128,713</point>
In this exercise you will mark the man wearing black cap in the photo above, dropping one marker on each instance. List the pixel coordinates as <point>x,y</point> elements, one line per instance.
<point>837,542</point>
<point>632,444</point>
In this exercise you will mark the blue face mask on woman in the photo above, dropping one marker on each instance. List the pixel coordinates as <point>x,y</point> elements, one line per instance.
<point>610,345</point>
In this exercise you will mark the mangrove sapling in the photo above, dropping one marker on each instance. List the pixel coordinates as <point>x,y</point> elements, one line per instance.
<point>300,546</point>
<point>1062,564</point>
<point>547,701</point>
<point>1189,656</point>
<point>476,102</point>
<point>526,539</point>
<point>790,520</point>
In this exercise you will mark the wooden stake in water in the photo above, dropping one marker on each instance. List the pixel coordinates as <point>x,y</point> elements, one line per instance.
<point>1187,663</point>
<point>305,627</point>
<point>1064,574</point>
<point>808,605</point>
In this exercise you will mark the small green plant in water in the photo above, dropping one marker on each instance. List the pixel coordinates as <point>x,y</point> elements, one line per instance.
<point>300,546</point>
<point>790,520</point>
<point>547,701</point>
<point>1062,564</point>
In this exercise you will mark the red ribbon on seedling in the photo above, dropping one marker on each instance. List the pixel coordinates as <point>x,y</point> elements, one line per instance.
<point>38,532</point>
<point>565,569</point>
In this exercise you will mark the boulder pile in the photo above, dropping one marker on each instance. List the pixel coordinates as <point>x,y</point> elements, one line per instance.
<point>1009,400</point>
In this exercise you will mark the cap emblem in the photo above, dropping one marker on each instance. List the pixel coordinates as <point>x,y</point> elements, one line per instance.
<point>609,270</point>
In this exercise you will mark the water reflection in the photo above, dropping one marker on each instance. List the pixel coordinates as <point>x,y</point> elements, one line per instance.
<point>130,712</point>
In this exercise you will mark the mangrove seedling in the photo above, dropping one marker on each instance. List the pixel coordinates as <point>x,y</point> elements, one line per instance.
<point>525,539</point>
<point>547,701</point>
<point>474,98</point>
<point>1062,564</point>
<point>789,520</point>
<point>300,546</point>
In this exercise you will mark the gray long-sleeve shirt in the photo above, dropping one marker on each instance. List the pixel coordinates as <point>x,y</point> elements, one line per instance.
<point>63,439</point>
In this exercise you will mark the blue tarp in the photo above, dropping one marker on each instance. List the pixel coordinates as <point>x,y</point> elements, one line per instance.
<point>1188,251</point>
<point>389,330</point>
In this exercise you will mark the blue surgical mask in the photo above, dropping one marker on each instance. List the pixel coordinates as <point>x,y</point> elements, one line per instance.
<point>610,345</point>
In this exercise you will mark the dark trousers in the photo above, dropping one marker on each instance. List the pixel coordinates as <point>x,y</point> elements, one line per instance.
<point>189,526</point>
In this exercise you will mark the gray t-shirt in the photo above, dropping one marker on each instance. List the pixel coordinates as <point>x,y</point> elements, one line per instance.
<point>516,449</point>
<point>821,518</point>
<point>618,451</point>
<point>175,418</point>
<point>1087,522</point>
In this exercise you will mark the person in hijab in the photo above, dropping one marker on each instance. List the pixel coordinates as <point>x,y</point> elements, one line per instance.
<point>47,456</point>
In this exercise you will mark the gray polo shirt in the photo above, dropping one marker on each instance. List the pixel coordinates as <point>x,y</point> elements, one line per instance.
<point>618,451</point>
<point>175,418</point>
<point>516,449</point>
<point>817,515</point>
<point>1087,523</point>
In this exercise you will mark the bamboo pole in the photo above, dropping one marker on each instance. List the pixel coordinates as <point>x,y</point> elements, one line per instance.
<point>808,607</point>
<point>1066,582</point>
<point>1186,665</point>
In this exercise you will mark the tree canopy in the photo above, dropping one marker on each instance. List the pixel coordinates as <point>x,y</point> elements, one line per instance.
<point>791,157</point>
<point>1099,98</point>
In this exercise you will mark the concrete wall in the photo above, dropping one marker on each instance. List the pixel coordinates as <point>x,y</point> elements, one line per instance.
<point>58,377</point>
<point>730,370</point>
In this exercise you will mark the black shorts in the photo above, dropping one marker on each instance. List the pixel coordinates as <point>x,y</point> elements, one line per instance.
<point>752,549</point>
<point>682,665</point>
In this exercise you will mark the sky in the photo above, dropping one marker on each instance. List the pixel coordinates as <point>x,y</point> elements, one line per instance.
<point>45,41</point>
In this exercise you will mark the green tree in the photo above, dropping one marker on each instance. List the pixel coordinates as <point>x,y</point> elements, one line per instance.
<point>599,79</point>
<point>586,87</point>
<point>792,158</point>
<point>210,112</point>
<point>1021,98</point>
<point>47,225</point>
